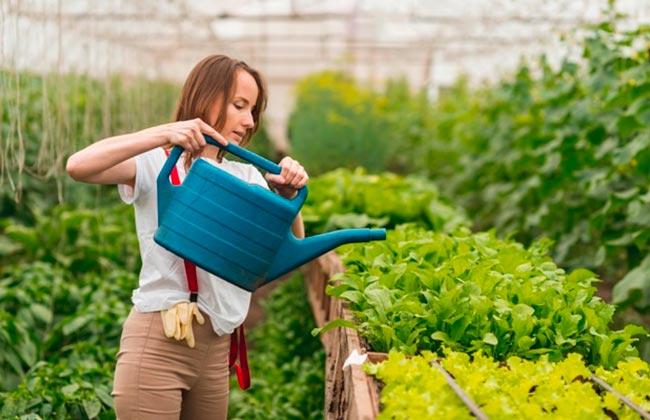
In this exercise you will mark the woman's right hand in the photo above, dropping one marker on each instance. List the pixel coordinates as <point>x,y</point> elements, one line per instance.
<point>189,135</point>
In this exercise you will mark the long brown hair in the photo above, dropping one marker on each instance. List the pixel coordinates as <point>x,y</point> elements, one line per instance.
<point>212,80</point>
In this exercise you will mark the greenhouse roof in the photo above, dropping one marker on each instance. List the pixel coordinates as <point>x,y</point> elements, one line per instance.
<point>429,42</point>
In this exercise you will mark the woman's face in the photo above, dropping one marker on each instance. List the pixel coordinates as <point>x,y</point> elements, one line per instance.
<point>239,115</point>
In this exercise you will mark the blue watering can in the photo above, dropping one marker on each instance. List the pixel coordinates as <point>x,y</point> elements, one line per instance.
<point>235,230</point>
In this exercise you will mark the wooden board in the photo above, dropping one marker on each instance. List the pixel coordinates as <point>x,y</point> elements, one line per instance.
<point>350,394</point>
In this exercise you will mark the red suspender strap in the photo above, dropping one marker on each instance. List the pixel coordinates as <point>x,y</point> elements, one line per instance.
<point>190,269</point>
<point>236,345</point>
<point>239,346</point>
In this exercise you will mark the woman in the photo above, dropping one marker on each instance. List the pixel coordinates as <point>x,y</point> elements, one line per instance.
<point>169,367</point>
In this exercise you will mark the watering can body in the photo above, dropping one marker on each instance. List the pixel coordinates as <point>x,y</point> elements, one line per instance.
<point>235,230</point>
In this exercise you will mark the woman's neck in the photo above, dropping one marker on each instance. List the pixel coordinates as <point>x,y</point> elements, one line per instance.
<point>211,152</point>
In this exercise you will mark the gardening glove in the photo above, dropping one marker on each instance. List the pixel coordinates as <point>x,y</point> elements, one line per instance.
<point>177,321</point>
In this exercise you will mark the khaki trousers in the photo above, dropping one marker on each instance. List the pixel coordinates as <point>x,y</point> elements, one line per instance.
<point>160,378</point>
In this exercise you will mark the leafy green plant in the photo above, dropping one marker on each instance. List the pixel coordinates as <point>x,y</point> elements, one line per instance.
<point>564,155</point>
<point>511,389</point>
<point>420,290</point>
<point>558,152</point>
<point>43,310</point>
<point>337,123</point>
<point>65,289</point>
<point>343,199</point>
<point>73,387</point>
<point>45,117</point>
<point>79,240</point>
<point>287,363</point>
<point>59,340</point>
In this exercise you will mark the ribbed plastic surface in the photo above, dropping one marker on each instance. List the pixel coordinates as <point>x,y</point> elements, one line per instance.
<point>235,230</point>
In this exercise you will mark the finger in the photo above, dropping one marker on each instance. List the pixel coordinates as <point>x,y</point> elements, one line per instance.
<point>195,311</point>
<point>301,180</point>
<point>184,328</point>
<point>168,323</point>
<point>275,180</point>
<point>289,170</point>
<point>221,139</point>
<point>178,332</point>
<point>179,138</point>
<point>184,138</point>
<point>183,312</point>
<point>301,177</point>
<point>205,128</point>
<point>190,336</point>
<point>197,139</point>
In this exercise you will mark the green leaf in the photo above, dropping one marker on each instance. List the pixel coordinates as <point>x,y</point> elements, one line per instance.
<point>490,339</point>
<point>41,312</point>
<point>627,194</point>
<point>334,324</point>
<point>580,275</point>
<point>13,360</point>
<point>634,288</point>
<point>352,296</point>
<point>381,302</point>
<point>105,397</point>
<point>638,214</point>
<point>28,351</point>
<point>31,416</point>
<point>68,390</point>
<point>624,240</point>
<point>8,247</point>
<point>92,407</point>
<point>46,410</point>
<point>526,342</point>
<point>76,324</point>
<point>522,311</point>
<point>442,336</point>
<point>632,148</point>
<point>25,236</point>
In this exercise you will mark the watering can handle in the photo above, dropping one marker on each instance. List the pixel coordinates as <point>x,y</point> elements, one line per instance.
<point>267,165</point>
<point>247,155</point>
<point>260,162</point>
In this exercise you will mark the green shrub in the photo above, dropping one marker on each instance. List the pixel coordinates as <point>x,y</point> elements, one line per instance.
<point>343,199</point>
<point>336,123</point>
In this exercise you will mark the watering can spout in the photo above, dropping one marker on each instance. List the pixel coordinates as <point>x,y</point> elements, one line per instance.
<point>295,252</point>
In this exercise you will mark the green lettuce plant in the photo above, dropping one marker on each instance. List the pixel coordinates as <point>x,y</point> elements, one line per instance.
<point>420,290</point>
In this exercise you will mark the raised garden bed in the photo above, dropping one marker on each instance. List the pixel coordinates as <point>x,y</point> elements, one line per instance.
<point>351,393</point>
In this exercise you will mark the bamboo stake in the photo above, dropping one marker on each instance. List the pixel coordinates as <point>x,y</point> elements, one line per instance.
<point>475,409</point>
<point>621,397</point>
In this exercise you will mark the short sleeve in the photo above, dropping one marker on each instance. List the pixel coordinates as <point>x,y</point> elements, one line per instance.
<point>147,166</point>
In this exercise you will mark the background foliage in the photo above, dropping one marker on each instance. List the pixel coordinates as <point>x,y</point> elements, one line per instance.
<point>69,256</point>
<point>553,151</point>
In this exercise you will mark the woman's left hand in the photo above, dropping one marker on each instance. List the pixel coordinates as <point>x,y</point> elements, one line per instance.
<point>290,180</point>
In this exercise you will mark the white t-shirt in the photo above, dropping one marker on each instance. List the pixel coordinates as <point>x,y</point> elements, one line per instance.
<point>162,278</point>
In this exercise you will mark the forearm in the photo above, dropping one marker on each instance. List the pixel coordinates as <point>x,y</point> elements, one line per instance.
<point>108,161</point>
<point>298,227</point>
